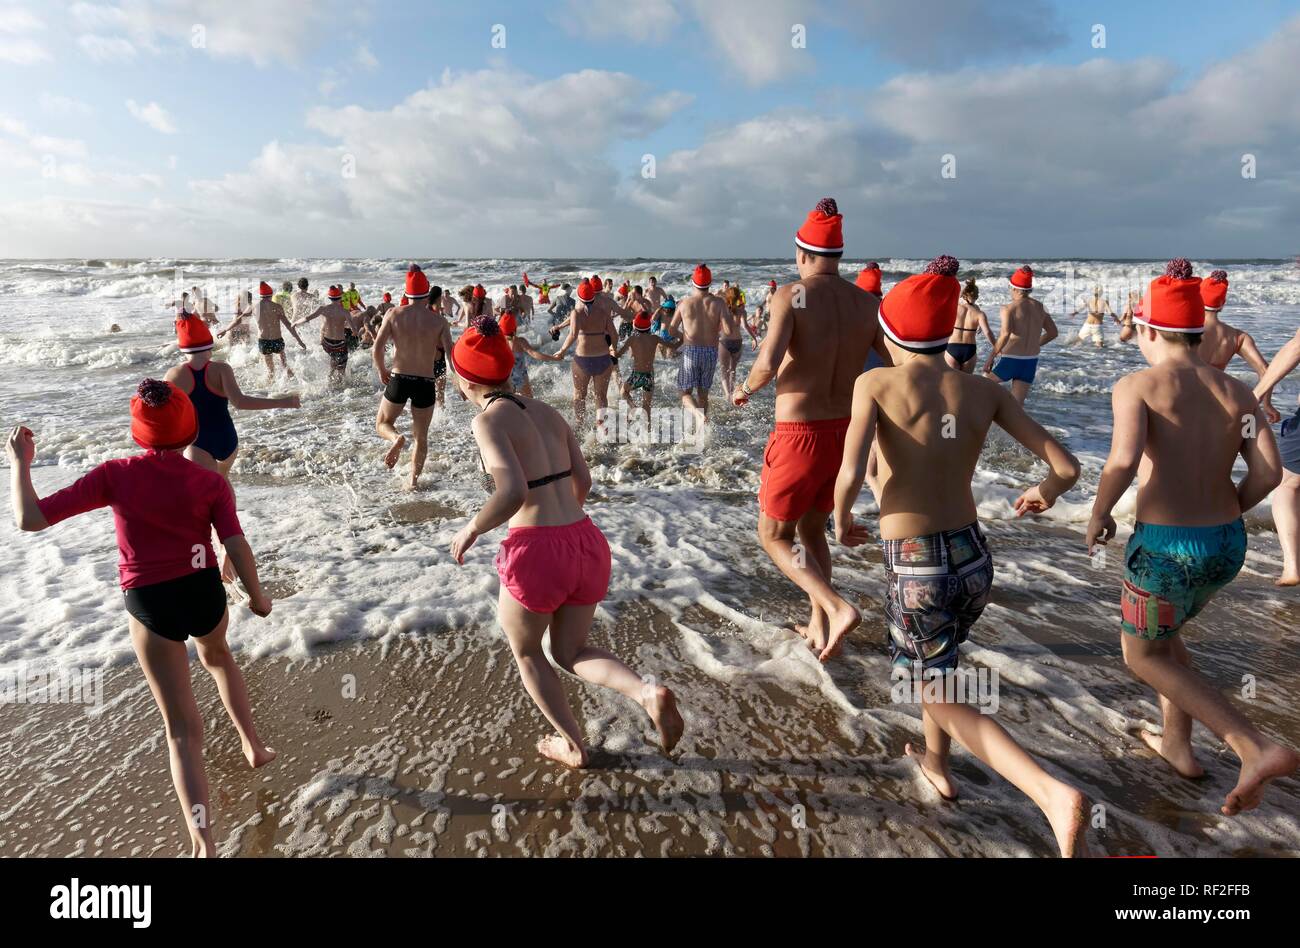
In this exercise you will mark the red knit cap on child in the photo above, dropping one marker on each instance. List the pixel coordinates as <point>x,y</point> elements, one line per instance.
<point>919,312</point>
<point>869,278</point>
<point>162,416</point>
<point>192,334</point>
<point>482,355</point>
<point>264,290</point>
<point>1214,290</point>
<point>1173,301</point>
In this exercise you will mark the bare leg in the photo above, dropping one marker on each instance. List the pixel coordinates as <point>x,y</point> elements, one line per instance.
<point>284,363</point>
<point>1020,390</point>
<point>601,386</point>
<point>216,657</point>
<point>1064,806</point>
<point>569,629</point>
<point>1262,760</point>
<point>389,412</point>
<point>166,666</point>
<point>421,418</point>
<point>1175,744</point>
<point>524,630</point>
<point>832,618</point>
<point>1286,517</point>
<point>581,380</point>
<point>933,757</point>
<point>270,366</point>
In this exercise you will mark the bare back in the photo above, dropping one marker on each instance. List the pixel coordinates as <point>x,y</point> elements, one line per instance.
<point>417,333</point>
<point>702,316</point>
<point>1195,419</point>
<point>270,318</point>
<point>931,423</point>
<point>829,338</point>
<point>1023,320</point>
<point>541,443</point>
<point>1219,343</point>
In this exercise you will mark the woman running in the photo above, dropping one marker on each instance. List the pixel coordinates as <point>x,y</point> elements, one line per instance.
<point>730,341</point>
<point>592,328</point>
<point>165,507</point>
<point>554,563</point>
<point>970,320</point>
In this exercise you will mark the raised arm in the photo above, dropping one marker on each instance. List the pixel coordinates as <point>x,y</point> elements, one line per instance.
<point>1127,442</point>
<point>25,500</point>
<point>853,468</point>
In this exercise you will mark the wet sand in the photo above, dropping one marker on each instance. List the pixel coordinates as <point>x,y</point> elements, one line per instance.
<point>423,744</point>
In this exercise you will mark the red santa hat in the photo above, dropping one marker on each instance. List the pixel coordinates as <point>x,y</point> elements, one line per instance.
<point>823,230</point>
<point>162,416</point>
<point>586,291</point>
<point>417,284</point>
<point>388,297</point>
<point>1022,279</point>
<point>1173,301</point>
<point>264,289</point>
<point>624,290</point>
<point>919,312</point>
<point>1214,290</point>
<point>482,355</point>
<point>405,301</point>
<point>702,278</point>
<point>192,334</point>
<point>509,324</point>
<point>336,293</point>
<point>642,322</point>
<point>869,278</point>
<point>771,284</point>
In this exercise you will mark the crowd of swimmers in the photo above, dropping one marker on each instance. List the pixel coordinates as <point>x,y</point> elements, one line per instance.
<point>869,386</point>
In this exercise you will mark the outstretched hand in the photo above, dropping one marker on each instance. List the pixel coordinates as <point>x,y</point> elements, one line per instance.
<point>462,542</point>
<point>22,446</point>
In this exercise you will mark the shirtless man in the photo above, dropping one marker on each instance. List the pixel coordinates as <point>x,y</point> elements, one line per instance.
<point>525,303</point>
<point>1098,309</point>
<point>1026,328</point>
<point>1180,426</point>
<point>644,344</point>
<point>509,303</point>
<point>970,320</point>
<point>421,339</point>
<point>1221,342</point>
<point>334,331</point>
<point>938,569</point>
<point>654,294</point>
<point>270,319</point>
<point>304,300</point>
<point>822,327</point>
<point>385,305</point>
<point>559,311</point>
<point>698,322</point>
<point>591,329</point>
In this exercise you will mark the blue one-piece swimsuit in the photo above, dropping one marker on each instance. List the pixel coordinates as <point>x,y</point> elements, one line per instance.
<point>216,428</point>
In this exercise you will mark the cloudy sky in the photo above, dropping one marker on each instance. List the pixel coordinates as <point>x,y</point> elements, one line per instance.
<point>655,128</point>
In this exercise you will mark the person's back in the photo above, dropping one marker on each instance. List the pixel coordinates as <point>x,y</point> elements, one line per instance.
<point>702,315</point>
<point>1196,418</point>
<point>1023,320</point>
<point>268,314</point>
<point>931,425</point>
<point>830,337</point>
<point>415,330</point>
<point>545,446</point>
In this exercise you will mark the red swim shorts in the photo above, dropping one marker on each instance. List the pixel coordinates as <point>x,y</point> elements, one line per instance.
<point>800,465</point>
<point>548,567</point>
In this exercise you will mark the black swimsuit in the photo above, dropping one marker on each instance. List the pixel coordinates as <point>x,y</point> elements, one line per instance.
<point>489,484</point>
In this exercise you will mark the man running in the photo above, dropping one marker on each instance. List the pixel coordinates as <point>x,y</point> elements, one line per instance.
<point>1180,426</point>
<point>821,329</point>
<point>271,319</point>
<point>421,339</point>
<point>1098,309</point>
<point>338,322</point>
<point>698,322</point>
<point>1026,328</point>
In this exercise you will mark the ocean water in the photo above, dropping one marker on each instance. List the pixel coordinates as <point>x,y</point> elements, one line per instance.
<point>349,553</point>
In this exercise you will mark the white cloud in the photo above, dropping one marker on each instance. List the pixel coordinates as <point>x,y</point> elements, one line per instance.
<point>106,49</point>
<point>63,105</point>
<point>153,115</point>
<point>644,21</point>
<point>22,51</point>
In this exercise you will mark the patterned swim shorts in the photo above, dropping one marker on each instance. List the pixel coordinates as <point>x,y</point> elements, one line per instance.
<point>937,587</point>
<point>699,363</point>
<point>641,380</point>
<point>1172,572</point>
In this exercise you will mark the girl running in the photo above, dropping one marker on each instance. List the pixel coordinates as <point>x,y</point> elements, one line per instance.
<point>165,507</point>
<point>519,380</point>
<point>554,563</point>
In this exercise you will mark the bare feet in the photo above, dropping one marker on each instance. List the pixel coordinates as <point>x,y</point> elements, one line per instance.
<point>395,452</point>
<point>1288,579</point>
<point>1271,762</point>
<point>935,771</point>
<point>661,705</point>
<point>559,749</point>
<point>258,756</point>
<point>844,621</point>
<point>1179,757</point>
<point>1067,811</point>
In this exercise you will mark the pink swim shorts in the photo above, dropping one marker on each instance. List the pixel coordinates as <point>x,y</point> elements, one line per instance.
<point>548,567</point>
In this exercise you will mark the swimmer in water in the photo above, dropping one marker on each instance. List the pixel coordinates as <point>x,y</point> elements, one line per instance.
<point>165,507</point>
<point>970,320</point>
<point>421,339</point>
<point>554,564</point>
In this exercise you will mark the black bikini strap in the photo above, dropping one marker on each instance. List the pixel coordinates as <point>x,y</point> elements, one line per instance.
<point>509,396</point>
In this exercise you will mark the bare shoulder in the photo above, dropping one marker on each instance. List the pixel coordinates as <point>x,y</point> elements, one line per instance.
<point>1130,387</point>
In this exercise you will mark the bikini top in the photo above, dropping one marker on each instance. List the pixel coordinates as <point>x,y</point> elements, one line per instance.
<point>489,483</point>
